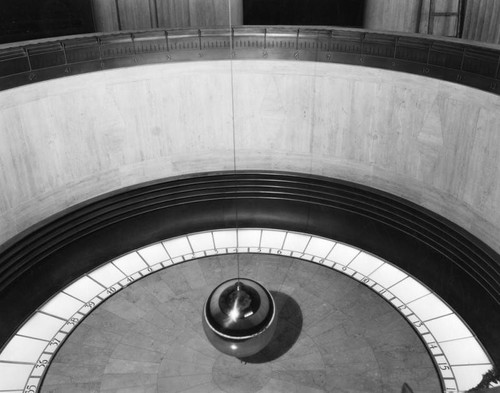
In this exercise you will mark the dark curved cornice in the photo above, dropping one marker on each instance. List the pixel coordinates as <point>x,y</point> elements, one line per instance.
<point>467,63</point>
<point>454,264</point>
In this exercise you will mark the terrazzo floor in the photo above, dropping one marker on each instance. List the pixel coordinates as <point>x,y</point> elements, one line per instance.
<point>333,335</point>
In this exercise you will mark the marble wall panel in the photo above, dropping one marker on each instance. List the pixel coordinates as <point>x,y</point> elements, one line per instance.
<point>114,15</point>
<point>392,15</point>
<point>481,21</point>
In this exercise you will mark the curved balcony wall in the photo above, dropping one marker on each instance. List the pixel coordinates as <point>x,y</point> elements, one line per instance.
<point>436,143</point>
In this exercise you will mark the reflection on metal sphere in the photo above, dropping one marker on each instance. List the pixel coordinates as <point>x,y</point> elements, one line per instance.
<point>239,317</point>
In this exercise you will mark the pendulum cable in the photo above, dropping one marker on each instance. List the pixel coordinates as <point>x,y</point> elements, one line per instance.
<point>234,135</point>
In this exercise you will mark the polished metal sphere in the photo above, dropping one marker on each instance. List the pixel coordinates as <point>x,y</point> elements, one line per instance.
<point>239,317</point>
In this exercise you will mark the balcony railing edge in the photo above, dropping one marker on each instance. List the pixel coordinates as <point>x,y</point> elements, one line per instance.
<point>467,63</point>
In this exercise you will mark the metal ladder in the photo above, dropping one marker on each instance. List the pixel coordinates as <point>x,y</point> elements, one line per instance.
<point>448,14</point>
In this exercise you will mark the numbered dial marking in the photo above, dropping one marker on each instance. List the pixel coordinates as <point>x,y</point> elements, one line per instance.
<point>458,355</point>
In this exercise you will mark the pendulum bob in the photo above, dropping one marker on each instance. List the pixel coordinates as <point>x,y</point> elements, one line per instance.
<point>239,317</point>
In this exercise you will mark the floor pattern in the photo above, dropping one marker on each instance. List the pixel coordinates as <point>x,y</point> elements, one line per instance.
<point>334,335</point>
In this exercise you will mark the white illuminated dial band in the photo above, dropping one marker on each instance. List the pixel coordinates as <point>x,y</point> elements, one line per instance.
<point>458,355</point>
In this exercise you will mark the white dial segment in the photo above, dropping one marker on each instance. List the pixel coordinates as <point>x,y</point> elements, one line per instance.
<point>84,289</point>
<point>388,275</point>
<point>41,326</point>
<point>107,275</point>
<point>23,349</point>
<point>470,375</point>
<point>130,263</point>
<point>296,242</point>
<point>365,263</point>
<point>14,376</point>
<point>224,239</point>
<point>270,239</point>
<point>459,357</point>
<point>449,327</point>
<point>408,290</point>
<point>178,247</point>
<point>429,307</point>
<point>343,254</point>
<point>154,254</point>
<point>249,238</point>
<point>201,242</point>
<point>319,247</point>
<point>464,351</point>
<point>62,306</point>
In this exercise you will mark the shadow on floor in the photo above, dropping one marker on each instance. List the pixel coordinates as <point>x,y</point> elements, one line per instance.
<point>287,332</point>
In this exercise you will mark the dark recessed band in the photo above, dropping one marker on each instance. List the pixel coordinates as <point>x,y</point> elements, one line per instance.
<point>455,265</point>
